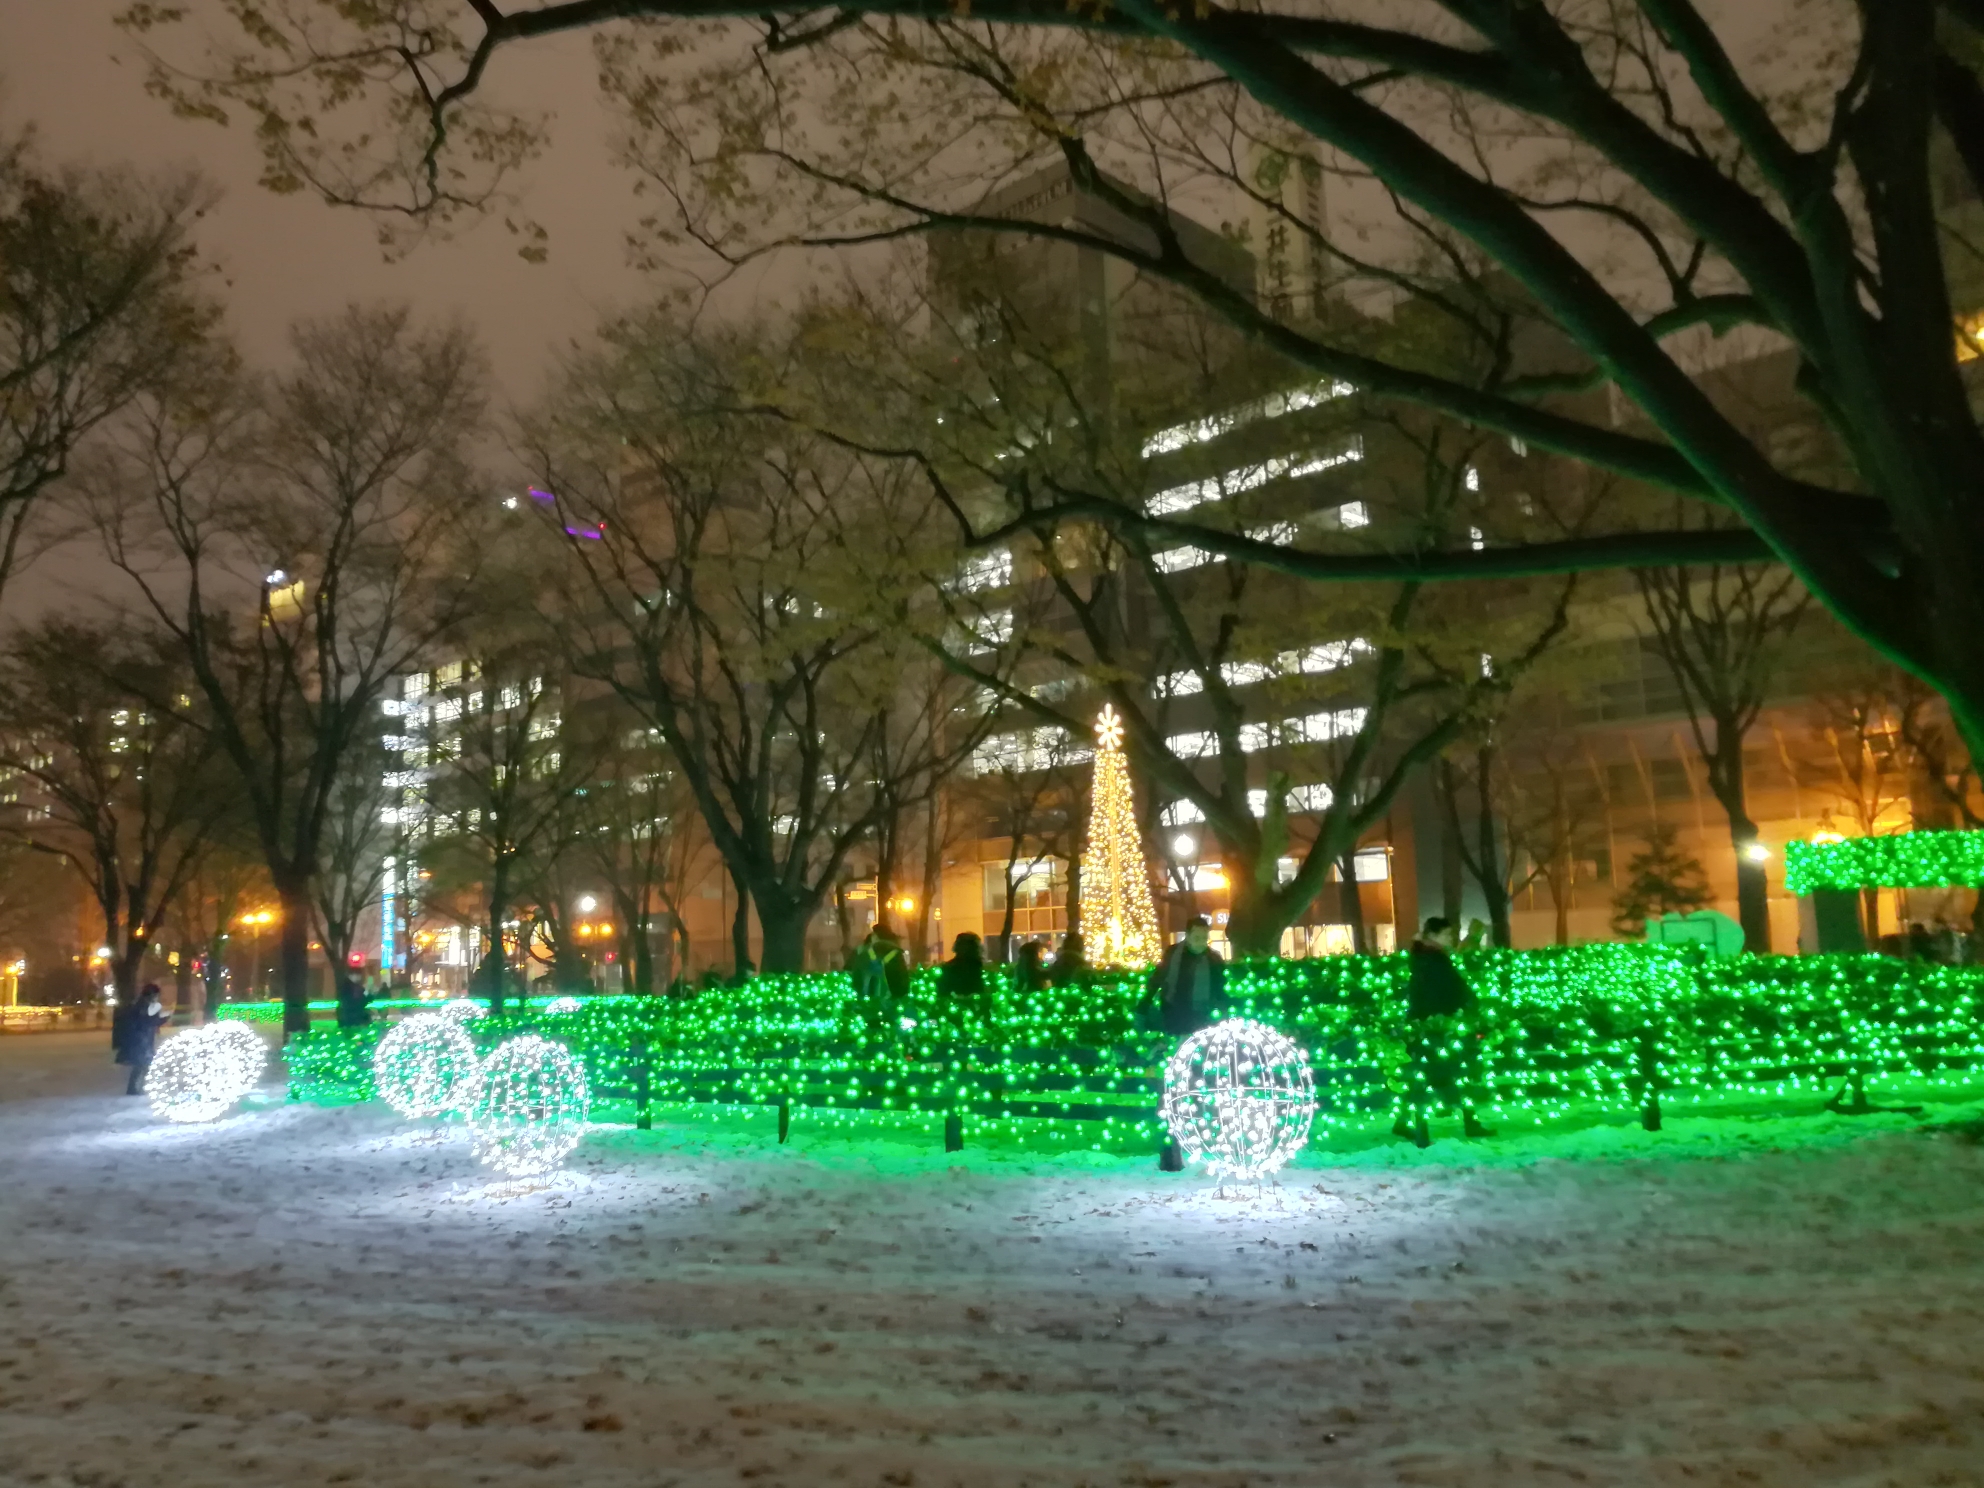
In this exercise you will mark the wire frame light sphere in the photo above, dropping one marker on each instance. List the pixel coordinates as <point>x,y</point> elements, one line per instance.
<point>426,1066</point>
<point>199,1074</point>
<point>250,1053</point>
<point>1239,1097</point>
<point>530,1108</point>
<point>462,1007</point>
<point>561,1005</point>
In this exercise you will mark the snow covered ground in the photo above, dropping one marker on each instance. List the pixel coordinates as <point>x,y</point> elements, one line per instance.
<point>301,1296</point>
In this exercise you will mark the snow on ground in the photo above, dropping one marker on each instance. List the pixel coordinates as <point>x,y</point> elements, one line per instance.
<point>302,1296</point>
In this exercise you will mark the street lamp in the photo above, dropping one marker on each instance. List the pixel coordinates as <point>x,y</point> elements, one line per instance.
<point>258,920</point>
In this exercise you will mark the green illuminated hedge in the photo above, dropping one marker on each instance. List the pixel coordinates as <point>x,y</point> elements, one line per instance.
<point>1907,860</point>
<point>1621,1027</point>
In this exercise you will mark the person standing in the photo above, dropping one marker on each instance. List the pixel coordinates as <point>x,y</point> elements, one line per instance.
<point>1030,970</point>
<point>881,972</point>
<point>1189,988</point>
<point>354,1003</point>
<point>1435,994</point>
<point>1189,984</point>
<point>1071,961</point>
<point>961,980</point>
<point>141,1025</point>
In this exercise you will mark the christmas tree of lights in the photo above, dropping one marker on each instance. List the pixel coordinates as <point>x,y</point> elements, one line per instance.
<point>1119,924</point>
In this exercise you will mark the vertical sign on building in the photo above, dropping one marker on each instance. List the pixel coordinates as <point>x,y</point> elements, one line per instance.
<point>388,915</point>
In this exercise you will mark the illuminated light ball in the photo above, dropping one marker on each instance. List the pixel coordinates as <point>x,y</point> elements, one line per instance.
<point>530,1109</point>
<point>200,1073</point>
<point>426,1066</point>
<point>559,1005</point>
<point>1239,1097</point>
<point>462,1007</point>
<point>245,1046</point>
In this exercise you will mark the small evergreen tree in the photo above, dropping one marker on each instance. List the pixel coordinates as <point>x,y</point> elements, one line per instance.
<point>1661,880</point>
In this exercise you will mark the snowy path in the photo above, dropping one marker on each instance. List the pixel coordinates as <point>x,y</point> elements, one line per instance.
<point>299,1296</point>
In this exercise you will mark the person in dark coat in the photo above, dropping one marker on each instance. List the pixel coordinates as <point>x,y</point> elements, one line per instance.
<point>961,980</point>
<point>1071,961</point>
<point>1189,984</point>
<point>1188,990</point>
<point>120,1024</point>
<point>1435,1076</point>
<point>142,1021</point>
<point>1029,972</point>
<point>354,1003</point>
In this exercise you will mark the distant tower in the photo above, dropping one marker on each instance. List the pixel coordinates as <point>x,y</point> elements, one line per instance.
<point>1289,266</point>
<point>1119,923</point>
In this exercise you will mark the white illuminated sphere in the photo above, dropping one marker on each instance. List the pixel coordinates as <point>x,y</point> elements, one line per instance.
<point>563,1005</point>
<point>530,1110</point>
<point>249,1053</point>
<point>426,1066</point>
<point>197,1075</point>
<point>463,1007</point>
<point>1239,1097</point>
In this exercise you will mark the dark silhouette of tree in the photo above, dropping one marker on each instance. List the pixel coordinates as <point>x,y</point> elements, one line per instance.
<point>1801,200</point>
<point>1724,631</point>
<point>303,540</point>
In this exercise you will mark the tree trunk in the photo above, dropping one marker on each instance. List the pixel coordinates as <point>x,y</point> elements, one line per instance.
<point>124,970</point>
<point>1752,886</point>
<point>1494,881</point>
<point>1006,923</point>
<point>493,974</point>
<point>182,980</point>
<point>213,970</point>
<point>933,869</point>
<point>843,925</point>
<point>1255,916</point>
<point>740,933</point>
<point>783,927</point>
<point>1451,867</point>
<point>643,956</point>
<point>1752,890</point>
<point>294,953</point>
<point>1560,895</point>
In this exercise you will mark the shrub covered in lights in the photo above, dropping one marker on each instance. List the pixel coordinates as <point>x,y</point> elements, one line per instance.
<point>1621,1027</point>
<point>1907,860</point>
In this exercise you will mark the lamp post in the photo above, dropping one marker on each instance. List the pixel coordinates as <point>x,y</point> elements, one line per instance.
<point>257,921</point>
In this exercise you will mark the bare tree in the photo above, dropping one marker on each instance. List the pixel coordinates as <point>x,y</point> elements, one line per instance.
<point>1723,632</point>
<point>1211,664</point>
<point>99,301</point>
<point>505,769</point>
<point>359,838</point>
<point>734,585</point>
<point>1796,188</point>
<point>124,790</point>
<point>228,876</point>
<point>303,540</point>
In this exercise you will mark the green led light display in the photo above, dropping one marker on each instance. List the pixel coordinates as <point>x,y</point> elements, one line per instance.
<point>1907,860</point>
<point>1618,1027</point>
